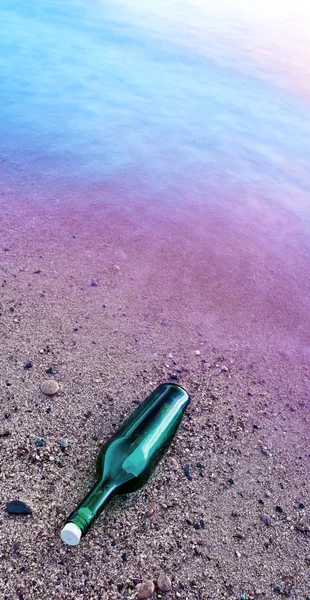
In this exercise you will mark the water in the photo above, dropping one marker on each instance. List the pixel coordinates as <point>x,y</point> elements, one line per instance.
<point>194,116</point>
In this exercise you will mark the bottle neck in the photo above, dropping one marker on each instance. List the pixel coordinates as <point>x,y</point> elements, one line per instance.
<point>92,505</point>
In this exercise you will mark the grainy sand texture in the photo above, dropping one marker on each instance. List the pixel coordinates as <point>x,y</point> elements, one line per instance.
<point>109,304</point>
<point>154,227</point>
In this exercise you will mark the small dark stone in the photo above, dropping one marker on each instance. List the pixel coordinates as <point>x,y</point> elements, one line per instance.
<point>196,525</point>
<point>229,589</point>
<point>12,309</point>
<point>49,371</point>
<point>15,546</point>
<point>94,282</point>
<point>277,588</point>
<point>279,509</point>
<point>186,471</point>
<point>88,414</point>
<point>174,377</point>
<point>230,482</point>
<point>73,237</point>
<point>124,557</point>
<point>40,442</point>
<point>301,506</point>
<point>281,486</point>
<point>255,427</point>
<point>95,438</point>
<point>27,364</point>
<point>5,434</point>
<point>16,507</point>
<point>261,502</point>
<point>202,523</point>
<point>48,410</point>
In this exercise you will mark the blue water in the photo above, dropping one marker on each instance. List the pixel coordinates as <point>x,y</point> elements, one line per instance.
<point>100,90</point>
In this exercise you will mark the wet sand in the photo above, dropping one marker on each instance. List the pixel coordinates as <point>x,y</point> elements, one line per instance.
<point>205,303</point>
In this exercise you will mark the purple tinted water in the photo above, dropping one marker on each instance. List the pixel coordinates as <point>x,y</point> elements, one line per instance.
<point>192,121</point>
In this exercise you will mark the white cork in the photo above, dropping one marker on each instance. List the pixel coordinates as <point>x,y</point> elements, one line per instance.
<point>71,534</point>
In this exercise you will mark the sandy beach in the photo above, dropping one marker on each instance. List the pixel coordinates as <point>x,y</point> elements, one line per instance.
<point>226,514</point>
<point>154,227</point>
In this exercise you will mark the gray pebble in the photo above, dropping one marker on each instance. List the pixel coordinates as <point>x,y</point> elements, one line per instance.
<point>266,519</point>
<point>64,443</point>
<point>145,589</point>
<point>164,583</point>
<point>49,387</point>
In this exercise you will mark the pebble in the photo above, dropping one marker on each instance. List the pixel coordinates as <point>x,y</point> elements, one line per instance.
<point>266,519</point>
<point>27,364</point>
<point>164,583</point>
<point>265,452</point>
<point>40,442</point>
<point>6,433</point>
<point>145,589</point>
<point>187,472</point>
<point>303,527</point>
<point>224,369</point>
<point>94,282</point>
<point>64,443</point>
<point>49,387</point>
<point>16,507</point>
<point>197,352</point>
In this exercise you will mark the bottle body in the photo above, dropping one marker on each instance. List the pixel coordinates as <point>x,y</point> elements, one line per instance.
<point>126,461</point>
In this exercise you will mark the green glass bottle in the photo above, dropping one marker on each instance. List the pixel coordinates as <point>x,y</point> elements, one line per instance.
<point>126,461</point>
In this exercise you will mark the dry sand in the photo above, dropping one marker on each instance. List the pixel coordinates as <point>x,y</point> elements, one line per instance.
<point>242,450</point>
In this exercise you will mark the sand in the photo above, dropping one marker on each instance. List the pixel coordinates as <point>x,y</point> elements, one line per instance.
<point>242,452</point>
